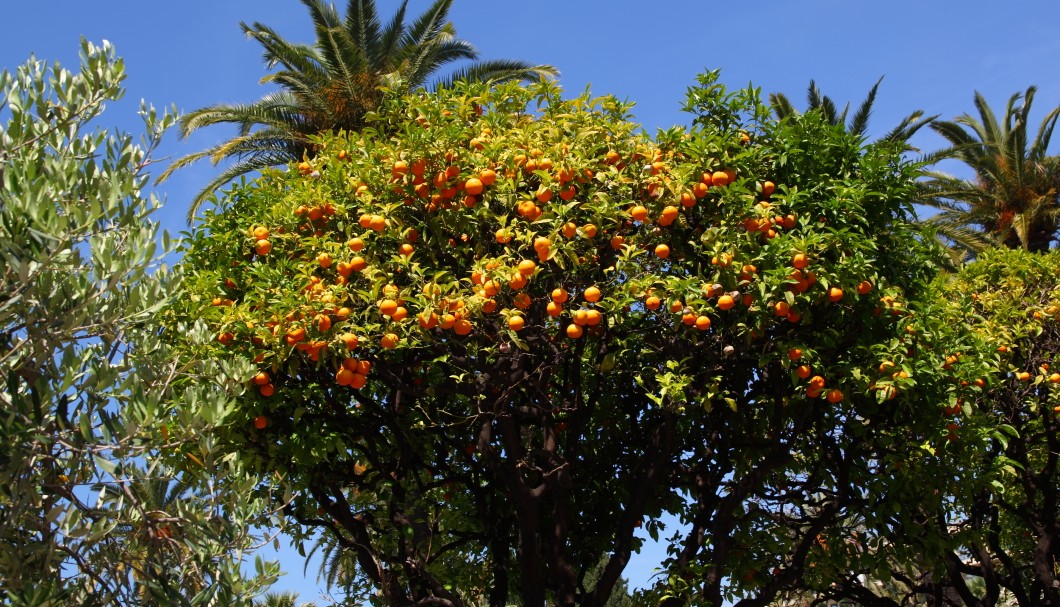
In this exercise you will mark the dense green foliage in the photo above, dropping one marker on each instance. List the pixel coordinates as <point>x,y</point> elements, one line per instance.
<point>486,457</point>
<point>98,504</point>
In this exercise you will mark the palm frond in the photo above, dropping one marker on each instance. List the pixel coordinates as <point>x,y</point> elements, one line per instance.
<point>782,106</point>
<point>860,122</point>
<point>497,71</point>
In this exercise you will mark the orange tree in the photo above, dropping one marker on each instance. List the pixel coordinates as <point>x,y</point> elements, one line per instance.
<point>498,332</point>
<point>997,541</point>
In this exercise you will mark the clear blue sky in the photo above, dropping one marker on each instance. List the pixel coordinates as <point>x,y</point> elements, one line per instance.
<point>933,54</point>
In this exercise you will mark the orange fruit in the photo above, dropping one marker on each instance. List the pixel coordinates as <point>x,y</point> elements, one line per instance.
<point>517,281</point>
<point>387,307</point>
<point>489,306</point>
<point>358,263</point>
<point>834,395</point>
<point>702,323</point>
<point>835,294</point>
<point>781,308</point>
<point>592,294</point>
<point>768,188</point>
<point>522,301</point>
<point>795,354</point>
<point>260,233</point>
<point>516,323</point>
<point>405,249</point>
<point>390,340</point>
<point>589,230</point>
<point>487,177</point>
<point>267,390</point>
<point>864,287</point>
<point>377,223</point>
<point>699,190</point>
<point>669,215</point>
<point>593,317</point>
<point>800,260</point>
<point>462,326</point>
<point>554,309</point>
<point>473,186</point>
<point>652,302</point>
<point>261,378</point>
<point>639,213</point>
<point>295,335</point>
<point>574,331</point>
<point>349,340</point>
<point>358,381</point>
<point>618,241</point>
<point>261,422</point>
<point>542,244</point>
<point>527,267</point>
<point>400,314</point>
<point>726,302</point>
<point>662,250</point>
<point>559,295</point>
<point>569,230</point>
<point>262,247</point>
<point>719,178</point>
<point>802,371</point>
<point>581,317</point>
<point>344,376</point>
<point>817,382</point>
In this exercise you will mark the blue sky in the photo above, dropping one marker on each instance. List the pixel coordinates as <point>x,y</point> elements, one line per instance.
<point>932,54</point>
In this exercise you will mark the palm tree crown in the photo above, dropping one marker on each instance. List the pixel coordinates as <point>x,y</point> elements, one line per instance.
<point>1012,200</point>
<point>859,122</point>
<point>333,83</point>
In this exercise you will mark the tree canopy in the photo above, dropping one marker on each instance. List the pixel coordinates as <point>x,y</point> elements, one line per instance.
<point>497,332</point>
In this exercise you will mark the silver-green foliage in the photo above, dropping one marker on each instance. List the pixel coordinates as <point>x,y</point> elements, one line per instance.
<point>108,493</point>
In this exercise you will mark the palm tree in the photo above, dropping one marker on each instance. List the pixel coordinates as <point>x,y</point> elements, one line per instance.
<point>281,599</point>
<point>1012,200</point>
<point>859,122</point>
<point>332,84</point>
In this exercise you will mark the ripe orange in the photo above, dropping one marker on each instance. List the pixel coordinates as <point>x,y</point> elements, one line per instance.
<point>554,309</point>
<point>387,307</point>
<point>639,213</point>
<point>1054,378</point>
<point>662,250</point>
<point>390,340</point>
<point>668,216</point>
<point>261,378</point>
<point>405,249</point>
<point>527,267</point>
<point>592,294</point>
<point>574,331</point>
<point>720,178</point>
<point>344,376</point>
<point>489,306</point>
<point>517,281</point>
<point>295,335</point>
<point>726,302</point>
<point>768,188</point>
<point>262,247</point>
<point>589,230</point>
<point>377,223</point>
<point>516,323</point>
<point>358,381</point>
<point>267,390</point>
<point>261,422</point>
<point>349,340</point>
<point>569,230</point>
<point>802,371</point>
<point>473,186</point>
<point>835,294</point>
<point>503,236</point>
<point>581,317</point>
<point>817,382</point>
<point>652,302</point>
<point>559,295</point>
<point>261,233</point>
<point>462,326</point>
<point>800,260</point>
<point>699,190</point>
<point>864,287</point>
<point>702,323</point>
<point>522,301</point>
<point>618,241</point>
<point>781,308</point>
<point>1023,376</point>
<point>835,395</point>
<point>487,176</point>
<point>542,244</point>
<point>795,354</point>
